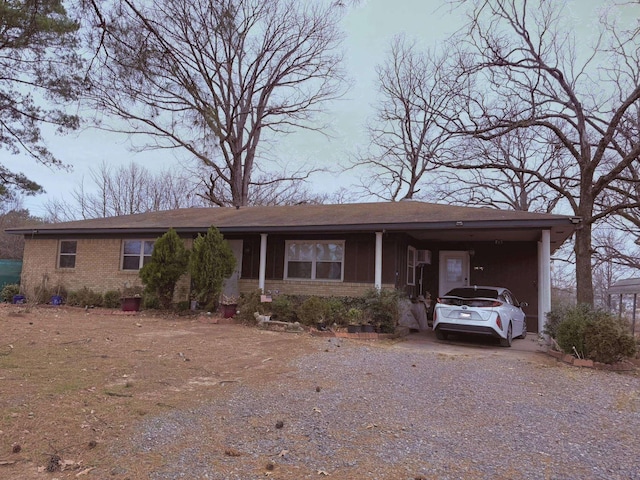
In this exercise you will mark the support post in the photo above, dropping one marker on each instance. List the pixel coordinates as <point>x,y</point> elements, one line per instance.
<point>620,307</point>
<point>378,262</point>
<point>633,315</point>
<point>263,261</point>
<point>544,279</point>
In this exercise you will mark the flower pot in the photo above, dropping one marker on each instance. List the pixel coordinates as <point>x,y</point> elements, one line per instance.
<point>354,328</point>
<point>229,311</point>
<point>56,300</point>
<point>130,304</point>
<point>19,299</point>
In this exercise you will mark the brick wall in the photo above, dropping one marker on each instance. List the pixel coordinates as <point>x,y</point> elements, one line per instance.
<point>97,267</point>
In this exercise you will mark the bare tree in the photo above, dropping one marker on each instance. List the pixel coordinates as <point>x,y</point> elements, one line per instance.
<point>406,136</point>
<point>13,215</point>
<point>520,64</point>
<point>213,77</point>
<point>125,190</point>
<point>496,173</point>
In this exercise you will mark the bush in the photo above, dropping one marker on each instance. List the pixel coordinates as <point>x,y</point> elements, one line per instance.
<point>608,340</point>
<point>283,309</point>
<point>150,301</point>
<point>248,304</point>
<point>41,294</point>
<point>168,263</point>
<point>111,299</point>
<point>8,291</point>
<point>594,333</point>
<point>84,297</point>
<point>569,324</point>
<point>555,318</point>
<point>382,307</point>
<point>570,335</point>
<point>210,263</point>
<point>182,306</point>
<point>337,310</point>
<point>315,310</point>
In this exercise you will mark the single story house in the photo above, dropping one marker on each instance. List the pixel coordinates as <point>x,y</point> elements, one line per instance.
<point>421,248</point>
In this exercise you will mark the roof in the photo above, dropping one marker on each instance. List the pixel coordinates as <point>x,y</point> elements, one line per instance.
<point>423,220</point>
<point>629,285</point>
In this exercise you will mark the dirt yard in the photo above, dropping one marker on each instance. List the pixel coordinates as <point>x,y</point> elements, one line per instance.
<point>75,382</point>
<point>99,394</point>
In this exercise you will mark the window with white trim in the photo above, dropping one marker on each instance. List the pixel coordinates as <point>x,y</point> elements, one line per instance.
<point>306,260</point>
<point>136,253</point>
<point>411,266</point>
<point>67,254</point>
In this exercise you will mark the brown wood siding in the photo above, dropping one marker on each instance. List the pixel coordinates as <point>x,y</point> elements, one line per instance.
<point>513,265</point>
<point>359,259</point>
<point>250,257</point>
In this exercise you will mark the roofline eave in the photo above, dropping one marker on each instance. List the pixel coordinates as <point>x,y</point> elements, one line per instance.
<point>370,227</point>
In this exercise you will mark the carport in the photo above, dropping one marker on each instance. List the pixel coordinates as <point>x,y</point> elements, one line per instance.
<point>629,286</point>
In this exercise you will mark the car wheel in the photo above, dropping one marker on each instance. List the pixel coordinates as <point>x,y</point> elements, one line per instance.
<point>523,335</point>
<point>440,335</point>
<point>506,342</point>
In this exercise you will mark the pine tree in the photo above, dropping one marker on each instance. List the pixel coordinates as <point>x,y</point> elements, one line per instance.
<point>211,261</point>
<point>168,263</point>
<point>39,62</point>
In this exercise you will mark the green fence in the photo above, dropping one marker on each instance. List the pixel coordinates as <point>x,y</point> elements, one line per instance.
<point>10,272</point>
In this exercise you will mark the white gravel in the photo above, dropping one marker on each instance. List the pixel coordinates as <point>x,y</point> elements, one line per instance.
<point>392,412</point>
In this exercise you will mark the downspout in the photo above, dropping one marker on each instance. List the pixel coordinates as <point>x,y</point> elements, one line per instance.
<point>263,261</point>
<point>378,262</point>
<point>544,279</point>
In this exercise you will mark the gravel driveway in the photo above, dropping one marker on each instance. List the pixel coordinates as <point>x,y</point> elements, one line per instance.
<point>408,410</point>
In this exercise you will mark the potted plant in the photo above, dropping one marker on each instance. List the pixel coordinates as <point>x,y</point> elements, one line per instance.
<point>367,327</point>
<point>131,298</point>
<point>229,305</point>
<point>354,317</point>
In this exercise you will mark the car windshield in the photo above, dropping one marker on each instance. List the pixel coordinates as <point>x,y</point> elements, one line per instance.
<point>472,297</point>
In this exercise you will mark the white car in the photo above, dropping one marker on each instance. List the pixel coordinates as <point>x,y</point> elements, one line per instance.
<point>490,311</point>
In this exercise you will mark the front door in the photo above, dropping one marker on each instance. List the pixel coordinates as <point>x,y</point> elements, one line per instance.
<point>454,270</point>
<point>231,287</point>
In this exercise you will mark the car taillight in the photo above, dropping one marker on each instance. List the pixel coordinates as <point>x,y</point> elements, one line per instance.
<point>499,322</point>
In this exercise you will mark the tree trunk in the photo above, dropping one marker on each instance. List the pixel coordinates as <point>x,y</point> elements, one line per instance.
<point>584,274</point>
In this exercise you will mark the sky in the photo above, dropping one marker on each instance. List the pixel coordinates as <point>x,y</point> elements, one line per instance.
<point>369,28</point>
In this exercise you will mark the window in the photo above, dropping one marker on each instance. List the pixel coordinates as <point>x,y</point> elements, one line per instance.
<point>136,253</point>
<point>411,266</point>
<point>67,257</point>
<point>314,260</point>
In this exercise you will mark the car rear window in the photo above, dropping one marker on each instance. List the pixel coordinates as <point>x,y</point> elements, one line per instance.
<point>472,297</point>
<point>470,302</point>
<point>473,293</point>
